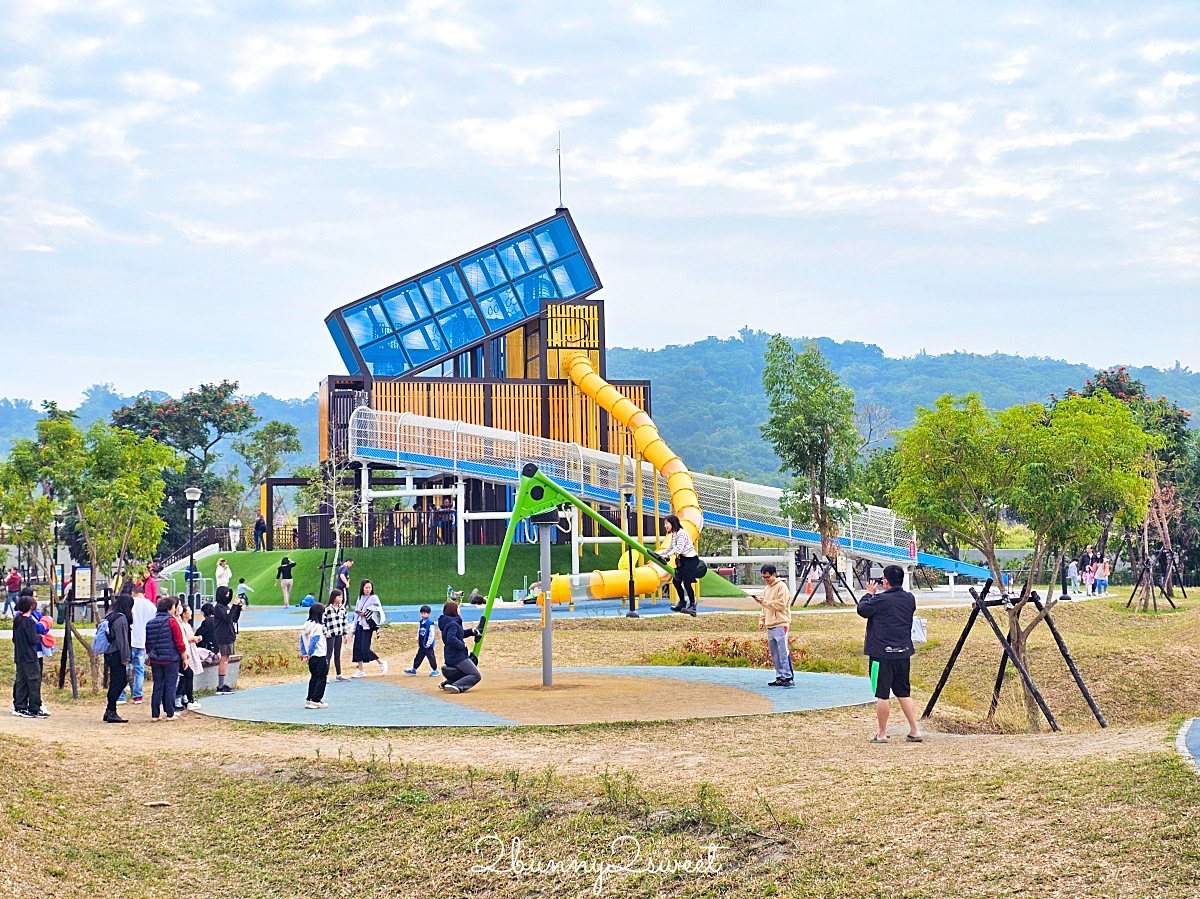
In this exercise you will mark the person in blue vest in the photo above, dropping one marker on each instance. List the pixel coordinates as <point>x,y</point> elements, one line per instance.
<point>164,651</point>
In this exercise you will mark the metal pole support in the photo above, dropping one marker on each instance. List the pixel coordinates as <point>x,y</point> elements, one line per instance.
<point>544,534</point>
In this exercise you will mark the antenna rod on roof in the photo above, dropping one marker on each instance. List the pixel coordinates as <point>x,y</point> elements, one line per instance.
<point>560,202</point>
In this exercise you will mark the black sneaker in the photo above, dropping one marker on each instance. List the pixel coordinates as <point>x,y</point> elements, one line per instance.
<point>115,719</point>
<point>36,714</point>
<point>692,611</point>
<point>221,691</point>
<point>777,683</point>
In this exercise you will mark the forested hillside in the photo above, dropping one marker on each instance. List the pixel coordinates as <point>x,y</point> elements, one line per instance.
<point>708,397</point>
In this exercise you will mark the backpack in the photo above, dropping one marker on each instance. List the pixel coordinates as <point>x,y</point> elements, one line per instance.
<point>101,642</point>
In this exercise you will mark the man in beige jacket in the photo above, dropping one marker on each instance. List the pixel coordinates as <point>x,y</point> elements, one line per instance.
<point>776,617</point>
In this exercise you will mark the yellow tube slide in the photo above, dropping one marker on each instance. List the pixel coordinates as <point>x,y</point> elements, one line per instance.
<point>684,501</point>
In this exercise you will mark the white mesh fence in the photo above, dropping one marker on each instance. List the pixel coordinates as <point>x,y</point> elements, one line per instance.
<point>414,441</point>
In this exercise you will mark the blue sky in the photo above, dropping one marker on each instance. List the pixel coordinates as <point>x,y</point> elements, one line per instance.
<point>187,189</point>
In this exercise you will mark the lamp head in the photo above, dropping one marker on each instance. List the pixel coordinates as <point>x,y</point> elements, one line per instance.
<point>192,494</point>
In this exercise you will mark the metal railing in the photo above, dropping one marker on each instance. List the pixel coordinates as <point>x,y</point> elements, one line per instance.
<point>414,441</point>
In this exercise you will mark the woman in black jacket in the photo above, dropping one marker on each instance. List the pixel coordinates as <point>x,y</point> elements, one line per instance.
<point>118,655</point>
<point>459,669</point>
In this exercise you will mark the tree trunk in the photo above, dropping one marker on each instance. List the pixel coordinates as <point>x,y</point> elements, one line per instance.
<point>1033,714</point>
<point>1148,580</point>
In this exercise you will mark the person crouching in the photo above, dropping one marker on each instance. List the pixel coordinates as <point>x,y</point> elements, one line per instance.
<point>459,670</point>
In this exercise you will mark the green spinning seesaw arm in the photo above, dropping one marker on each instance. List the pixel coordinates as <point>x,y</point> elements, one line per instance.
<point>538,493</point>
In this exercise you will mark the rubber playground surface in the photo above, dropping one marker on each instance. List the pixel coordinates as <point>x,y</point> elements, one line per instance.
<point>513,697</point>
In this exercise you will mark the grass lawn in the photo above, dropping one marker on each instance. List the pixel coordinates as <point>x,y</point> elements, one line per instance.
<point>419,574</point>
<point>801,805</point>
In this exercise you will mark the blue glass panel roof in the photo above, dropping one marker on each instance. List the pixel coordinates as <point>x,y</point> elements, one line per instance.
<point>483,272</point>
<point>367,323</point>
<point>571,276</point>
<point>461,326</point>
<point>385,358</point>
<point>423,343</point>
<point>443,289</point>
<point>406,305</point>
<point>500,309</point>
<point>430,317</point>
<point>343,346</point>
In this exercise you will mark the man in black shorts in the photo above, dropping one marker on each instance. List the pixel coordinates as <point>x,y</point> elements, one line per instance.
<point>889,646</point>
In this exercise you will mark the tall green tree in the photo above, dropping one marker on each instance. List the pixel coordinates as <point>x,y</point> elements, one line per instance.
<point>265,451</point>
<point>811,427</point>
<point>962,467</point>
<point>194,425</point>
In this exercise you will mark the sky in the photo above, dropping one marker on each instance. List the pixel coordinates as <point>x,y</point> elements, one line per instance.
<point>186,190</point>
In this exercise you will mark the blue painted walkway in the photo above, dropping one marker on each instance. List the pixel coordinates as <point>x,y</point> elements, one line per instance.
<point>278,617</point>
<point>370,702</point>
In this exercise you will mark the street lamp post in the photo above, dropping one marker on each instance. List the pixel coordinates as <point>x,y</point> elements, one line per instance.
<point>192,495</point>
<point>55,580</point>
<point>627,493</point>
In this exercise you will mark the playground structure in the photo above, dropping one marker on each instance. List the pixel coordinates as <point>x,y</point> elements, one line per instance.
<point>461,375</point>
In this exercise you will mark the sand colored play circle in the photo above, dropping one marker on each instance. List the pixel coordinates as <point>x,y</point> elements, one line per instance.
<point>516,697</point>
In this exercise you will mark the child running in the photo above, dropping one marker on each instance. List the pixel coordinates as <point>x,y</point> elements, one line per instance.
<point>313,649</point>
<point>426,638</point>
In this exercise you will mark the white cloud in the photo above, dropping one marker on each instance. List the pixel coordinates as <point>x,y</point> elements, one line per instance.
<point>1156,51</point>
<point>1011,69</point>
<point>158,85</point>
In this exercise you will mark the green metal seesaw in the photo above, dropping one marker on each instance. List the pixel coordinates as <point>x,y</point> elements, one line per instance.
<point>538,495</point>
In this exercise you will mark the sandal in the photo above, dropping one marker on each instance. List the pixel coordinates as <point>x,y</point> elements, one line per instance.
<point>911,739</point>
<point>877,740</point>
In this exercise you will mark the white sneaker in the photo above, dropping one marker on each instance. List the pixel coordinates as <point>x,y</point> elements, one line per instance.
<point>45,711</point>
<point>341,677</point>
<point>322,705</point>
<point>194,706</point>
<point>309,704</point>
<point>359,674</point>
<point>382,667</point>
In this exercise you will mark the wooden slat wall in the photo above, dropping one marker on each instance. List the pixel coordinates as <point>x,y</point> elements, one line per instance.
<point>517,407</point>
<point>453,401</point>
<point>619,438</point>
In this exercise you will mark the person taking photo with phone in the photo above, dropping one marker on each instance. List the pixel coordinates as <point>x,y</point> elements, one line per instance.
<point>889,646</point>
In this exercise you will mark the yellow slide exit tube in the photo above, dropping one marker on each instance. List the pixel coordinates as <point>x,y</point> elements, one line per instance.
<point>684,501</point>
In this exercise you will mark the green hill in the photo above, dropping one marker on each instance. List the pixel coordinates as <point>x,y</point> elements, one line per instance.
<point>709,402</point>
<point>418,574</point>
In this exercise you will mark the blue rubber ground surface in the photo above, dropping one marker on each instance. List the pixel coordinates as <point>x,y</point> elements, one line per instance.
<point>369,702</point>
<point>277,616</point>
<point>1191,740</point>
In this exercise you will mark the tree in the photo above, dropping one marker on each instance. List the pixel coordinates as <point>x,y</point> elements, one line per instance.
<point>954,469</point>
<point>113,481</point>
<point>1170,463</point>
<point>1058,470</point>
<point>330,491</point>
<point>194,425</point>
<point>812,429</point>
<point>265,450</point>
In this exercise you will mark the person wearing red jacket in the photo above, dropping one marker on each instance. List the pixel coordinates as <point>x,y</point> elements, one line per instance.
<point>12,591</point>
<point>164,651</point>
